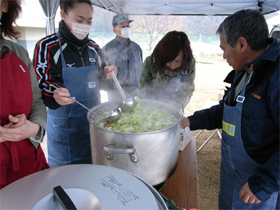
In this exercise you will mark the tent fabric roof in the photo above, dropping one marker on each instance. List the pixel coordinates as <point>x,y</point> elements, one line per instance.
<point>186,7</point>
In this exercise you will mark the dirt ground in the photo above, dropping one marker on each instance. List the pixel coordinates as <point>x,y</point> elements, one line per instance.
<point>208,88</point>
<point>208,166</point>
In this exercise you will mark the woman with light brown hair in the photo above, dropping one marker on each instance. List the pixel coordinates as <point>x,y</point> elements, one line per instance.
<point>168,74</point>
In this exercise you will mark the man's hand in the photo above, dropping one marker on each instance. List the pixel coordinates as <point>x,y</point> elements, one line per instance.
<point>109,69</point>
<point>185,122</point>
<point>62,97</point>
<point>247,195</point>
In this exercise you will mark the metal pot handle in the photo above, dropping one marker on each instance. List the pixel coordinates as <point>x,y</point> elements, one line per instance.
<point>111,150</point>
<point>63,198</point>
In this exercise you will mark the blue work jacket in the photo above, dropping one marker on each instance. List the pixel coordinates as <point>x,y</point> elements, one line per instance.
<point>260,120</point>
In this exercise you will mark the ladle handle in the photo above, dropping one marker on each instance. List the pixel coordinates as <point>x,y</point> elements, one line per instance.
<point>118,85</point>
<point>84,107</point>
<point>87,108</point>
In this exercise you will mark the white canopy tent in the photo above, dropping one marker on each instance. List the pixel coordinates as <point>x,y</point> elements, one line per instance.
<point>186,7</point>
<point>168,7</point>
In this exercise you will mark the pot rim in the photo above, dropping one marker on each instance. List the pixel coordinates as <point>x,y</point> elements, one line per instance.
<point>89,114</point>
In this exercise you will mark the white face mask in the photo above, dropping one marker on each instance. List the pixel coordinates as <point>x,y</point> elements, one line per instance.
<point>79,30</point>
<point>126,32</point>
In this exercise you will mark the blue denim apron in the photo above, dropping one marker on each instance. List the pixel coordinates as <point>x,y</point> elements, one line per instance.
<point>68,127</point>
<point>236,165</point>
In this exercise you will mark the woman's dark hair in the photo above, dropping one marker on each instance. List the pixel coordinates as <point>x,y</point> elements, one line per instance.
<point>9,18</point>
<point>66,5</point>
<point>169,47</point>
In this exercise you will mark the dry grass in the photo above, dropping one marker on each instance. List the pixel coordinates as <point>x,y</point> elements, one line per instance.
<point>209,80</point>
<point>208,166</point>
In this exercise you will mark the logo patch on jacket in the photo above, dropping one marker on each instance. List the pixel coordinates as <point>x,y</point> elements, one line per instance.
<point>69,65</point>
<point>91,84</point>
<point>256,96</point>
<point>229,128</point>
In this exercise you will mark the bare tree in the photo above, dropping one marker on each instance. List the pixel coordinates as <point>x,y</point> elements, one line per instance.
<point>155,26</point>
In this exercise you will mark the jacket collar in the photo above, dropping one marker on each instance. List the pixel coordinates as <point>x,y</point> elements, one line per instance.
<point>69,37</point>
<point>271,53</point>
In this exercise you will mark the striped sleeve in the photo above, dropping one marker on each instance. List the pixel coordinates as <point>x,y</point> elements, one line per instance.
<point>48,73</point>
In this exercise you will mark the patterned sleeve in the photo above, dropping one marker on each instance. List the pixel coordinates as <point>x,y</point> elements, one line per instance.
<point>47,71</point>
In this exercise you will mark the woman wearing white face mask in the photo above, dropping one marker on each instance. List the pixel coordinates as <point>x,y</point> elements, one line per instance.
<point>126,55</point>
<point>70,66</point>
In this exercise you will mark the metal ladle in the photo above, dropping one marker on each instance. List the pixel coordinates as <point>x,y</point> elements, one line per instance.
<point>111,117</point>
<point>128,104</point>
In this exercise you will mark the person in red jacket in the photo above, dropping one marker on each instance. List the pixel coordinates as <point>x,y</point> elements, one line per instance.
<point>22,111</point>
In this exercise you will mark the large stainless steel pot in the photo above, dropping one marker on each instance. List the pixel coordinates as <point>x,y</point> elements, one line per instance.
<point>152,156</point>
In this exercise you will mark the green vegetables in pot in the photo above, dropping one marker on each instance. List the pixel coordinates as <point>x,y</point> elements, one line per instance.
<point>143,119</point>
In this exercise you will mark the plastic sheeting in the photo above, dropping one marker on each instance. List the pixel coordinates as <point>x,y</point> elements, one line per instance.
<point>49,8</point>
